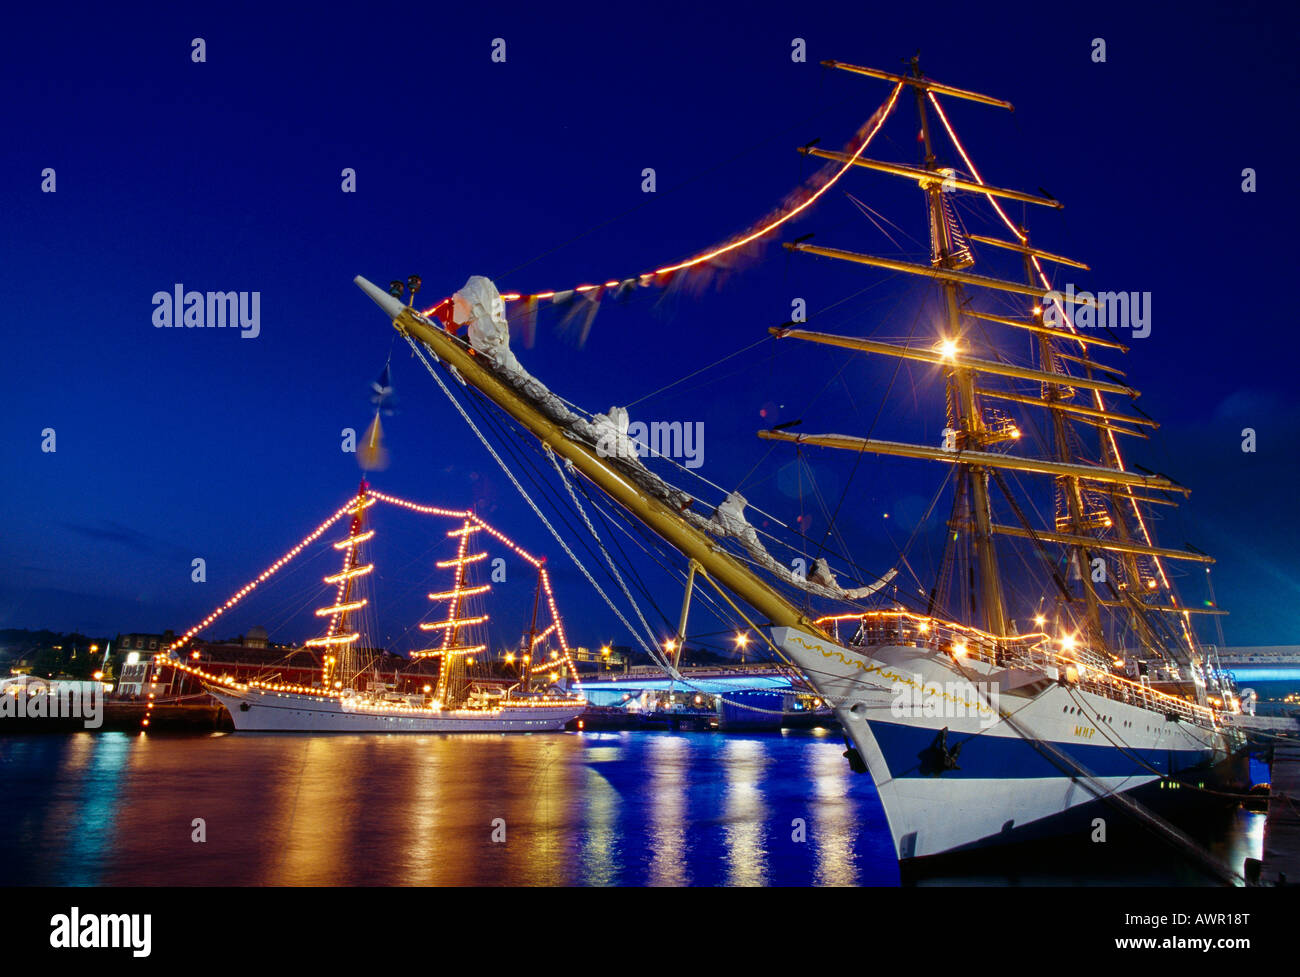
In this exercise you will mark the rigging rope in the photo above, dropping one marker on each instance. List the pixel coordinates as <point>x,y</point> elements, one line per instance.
<point>673,673</point>
<point>524,492</point>
<point>613,567</point>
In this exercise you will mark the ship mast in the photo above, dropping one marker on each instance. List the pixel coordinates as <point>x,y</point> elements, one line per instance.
<point>1083,526</point>
<point>525,673</point>
<point>967,416</point>
<point>340,660</point>
<point>453,654</point>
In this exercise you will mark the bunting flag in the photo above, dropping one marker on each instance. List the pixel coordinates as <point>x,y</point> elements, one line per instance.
<point>581,312</point>
<point>593,304</point>
<point>526,319</point>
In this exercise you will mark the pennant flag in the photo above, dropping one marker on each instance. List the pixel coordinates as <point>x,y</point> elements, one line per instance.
<point>382,390</point>
<point>593,306</point>
<point>372,456</point>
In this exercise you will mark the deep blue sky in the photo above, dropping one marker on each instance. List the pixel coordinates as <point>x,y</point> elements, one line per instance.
<point>225,175</point>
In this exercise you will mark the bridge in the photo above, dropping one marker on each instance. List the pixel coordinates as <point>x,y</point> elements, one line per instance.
<point>1262,663</point>
<point>614,687</point>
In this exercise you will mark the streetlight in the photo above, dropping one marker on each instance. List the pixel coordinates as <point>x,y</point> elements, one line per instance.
<point>742,641</point>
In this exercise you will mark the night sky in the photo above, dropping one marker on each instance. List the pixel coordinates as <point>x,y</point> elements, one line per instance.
<point>225,175</point>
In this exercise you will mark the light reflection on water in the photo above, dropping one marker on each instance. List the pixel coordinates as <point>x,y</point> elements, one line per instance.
<point>626,808</point>
<point>835,842</point>
<point>747,817</point>
<point>667,799</point>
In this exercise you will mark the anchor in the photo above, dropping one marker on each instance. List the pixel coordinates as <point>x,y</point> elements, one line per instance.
<point>939,756</point>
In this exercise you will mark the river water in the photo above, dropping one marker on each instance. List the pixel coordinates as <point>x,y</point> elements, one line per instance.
<point>617,808</point>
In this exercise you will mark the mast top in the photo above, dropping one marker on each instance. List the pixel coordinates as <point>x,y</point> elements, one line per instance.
<point>917,81</point>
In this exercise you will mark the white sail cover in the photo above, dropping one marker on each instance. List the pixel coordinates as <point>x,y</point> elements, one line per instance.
<point>729,521</point>
<point>479,306</point>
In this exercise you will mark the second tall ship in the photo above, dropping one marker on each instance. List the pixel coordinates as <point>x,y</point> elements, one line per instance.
<point>352,698</point>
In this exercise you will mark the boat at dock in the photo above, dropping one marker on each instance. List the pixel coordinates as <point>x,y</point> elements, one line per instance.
<point>1049,670</point>
<point>287,711</point>
<point>351,696</point>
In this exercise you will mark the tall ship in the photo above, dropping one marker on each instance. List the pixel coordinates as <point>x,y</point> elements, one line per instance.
<point>1049,671</point>
<point>451,684</point>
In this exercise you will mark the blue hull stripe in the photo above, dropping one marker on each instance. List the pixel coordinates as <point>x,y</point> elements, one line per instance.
<point>910,752</point>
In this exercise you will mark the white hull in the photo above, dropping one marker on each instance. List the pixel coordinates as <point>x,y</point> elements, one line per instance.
<point>259,710</point>
<point>999,785</point>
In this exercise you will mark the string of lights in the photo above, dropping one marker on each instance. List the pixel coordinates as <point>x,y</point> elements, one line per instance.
<point>352,570</point>
<point>263,576</point>
<point>765,228</point>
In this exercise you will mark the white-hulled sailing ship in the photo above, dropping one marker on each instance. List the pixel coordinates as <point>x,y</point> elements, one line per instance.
<point>978,727</point>
<point>352,698</point>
